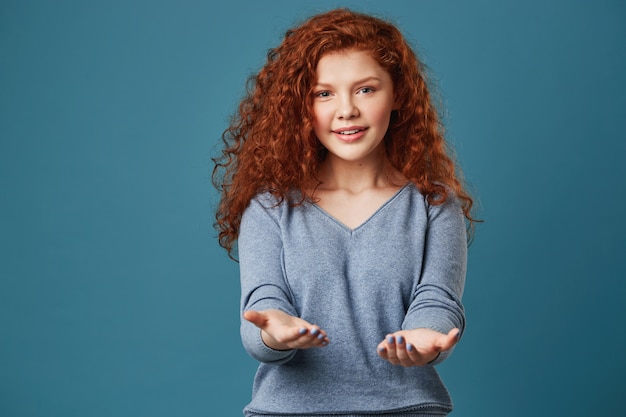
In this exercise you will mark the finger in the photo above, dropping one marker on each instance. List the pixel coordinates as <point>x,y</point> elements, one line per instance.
<point>407,354</point>
<point>321,338</point>
<point>401,351</point>
<point>255,317</point>
<point>414,356</point>
<point>447,342</point>
<point>312,337</point>
<point>288,338</point>
<point>392,355</point>
<point>382,350</point>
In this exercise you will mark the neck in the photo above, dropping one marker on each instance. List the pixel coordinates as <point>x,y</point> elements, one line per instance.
<point>356,176</point>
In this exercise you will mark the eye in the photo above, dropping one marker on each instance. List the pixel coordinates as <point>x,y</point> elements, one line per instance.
<point>322,94</point>
<point>366,90</point>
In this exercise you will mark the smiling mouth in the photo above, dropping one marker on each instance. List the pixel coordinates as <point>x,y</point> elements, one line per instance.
<point>348,131</point>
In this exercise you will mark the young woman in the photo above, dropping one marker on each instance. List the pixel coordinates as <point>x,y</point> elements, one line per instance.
<point>350,224</point>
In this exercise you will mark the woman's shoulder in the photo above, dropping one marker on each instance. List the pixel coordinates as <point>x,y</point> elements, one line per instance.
<point>272,199</point>
<point>442,199</point>
<point>276,204</point>
<point>266,199</point>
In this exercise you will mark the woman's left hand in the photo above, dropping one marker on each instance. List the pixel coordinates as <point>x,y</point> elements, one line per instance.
<point>416,347</point>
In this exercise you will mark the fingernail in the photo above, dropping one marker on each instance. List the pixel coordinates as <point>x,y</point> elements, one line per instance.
<point>381,349</point>
<point>458,335</point>
<point>390,339</point>
<point>320,336</point>
<point>400,340</point>
<point>324,343</point>
<point>314,332</point>
<point>409,347</point>
<point>302,331</point>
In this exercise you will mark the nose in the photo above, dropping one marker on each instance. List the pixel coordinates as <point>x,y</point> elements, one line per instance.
<point>347,109</point>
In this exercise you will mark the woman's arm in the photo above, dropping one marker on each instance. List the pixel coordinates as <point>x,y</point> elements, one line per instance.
<point>270,327</point>
<point>435,318</point>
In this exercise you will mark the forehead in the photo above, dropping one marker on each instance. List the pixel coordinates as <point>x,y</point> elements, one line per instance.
<point>348,63</point>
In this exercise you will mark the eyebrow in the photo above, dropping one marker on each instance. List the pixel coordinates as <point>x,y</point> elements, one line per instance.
<point>361,81</point>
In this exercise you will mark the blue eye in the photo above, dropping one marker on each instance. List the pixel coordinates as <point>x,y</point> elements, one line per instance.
<point>323,94</point>
<point>366,90</point>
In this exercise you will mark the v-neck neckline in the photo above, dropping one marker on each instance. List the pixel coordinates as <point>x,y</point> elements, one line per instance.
<point>367,220</point>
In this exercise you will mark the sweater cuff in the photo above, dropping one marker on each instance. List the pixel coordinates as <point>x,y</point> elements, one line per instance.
<point>271,355</point>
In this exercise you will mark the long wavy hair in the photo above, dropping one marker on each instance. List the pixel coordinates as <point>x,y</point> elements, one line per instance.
<point>270,145</point>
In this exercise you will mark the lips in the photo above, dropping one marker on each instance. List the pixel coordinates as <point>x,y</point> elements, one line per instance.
<point>349,134</point>
<point>349,130</point>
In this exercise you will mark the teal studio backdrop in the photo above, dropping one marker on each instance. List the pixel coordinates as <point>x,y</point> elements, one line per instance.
<point>115,299</point>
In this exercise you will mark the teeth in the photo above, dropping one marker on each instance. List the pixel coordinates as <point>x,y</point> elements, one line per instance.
<point>350,132</point>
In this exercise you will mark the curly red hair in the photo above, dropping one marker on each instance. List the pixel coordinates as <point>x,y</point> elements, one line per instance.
<point>270,145</point>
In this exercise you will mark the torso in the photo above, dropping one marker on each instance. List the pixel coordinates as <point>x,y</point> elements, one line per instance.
<point>355,275</point>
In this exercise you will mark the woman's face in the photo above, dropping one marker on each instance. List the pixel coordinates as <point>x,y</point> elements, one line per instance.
<point>352,104</point>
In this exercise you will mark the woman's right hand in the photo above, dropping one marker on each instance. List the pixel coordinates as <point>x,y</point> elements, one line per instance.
<point>282,331</point>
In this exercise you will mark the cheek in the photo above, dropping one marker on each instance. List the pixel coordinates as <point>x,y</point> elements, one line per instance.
<point>383,113</point>
<point>380,116</point>
<point>320,117</point>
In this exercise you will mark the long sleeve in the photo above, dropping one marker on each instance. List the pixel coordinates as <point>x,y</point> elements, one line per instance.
<point>436,302</point>
<point>263,284</point>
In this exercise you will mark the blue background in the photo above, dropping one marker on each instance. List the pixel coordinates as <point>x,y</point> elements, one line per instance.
<point>115,299</point>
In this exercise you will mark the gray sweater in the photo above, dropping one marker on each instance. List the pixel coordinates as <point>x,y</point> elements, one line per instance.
<point>403,268</point>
